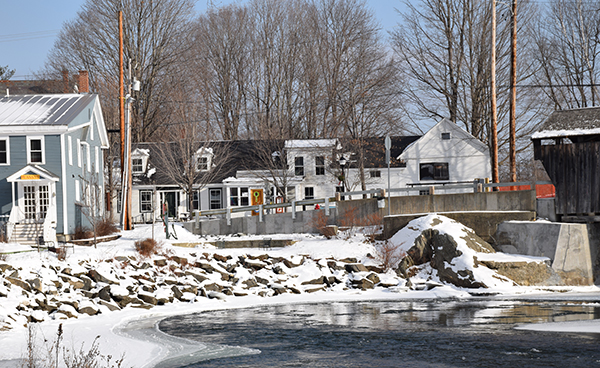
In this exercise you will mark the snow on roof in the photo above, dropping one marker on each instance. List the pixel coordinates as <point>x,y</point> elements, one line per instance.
<point>564,133</point>
<point>310,143</point>
<point>56,109</point>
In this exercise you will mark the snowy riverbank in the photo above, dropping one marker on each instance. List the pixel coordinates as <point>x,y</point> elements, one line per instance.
<point>313,270</point>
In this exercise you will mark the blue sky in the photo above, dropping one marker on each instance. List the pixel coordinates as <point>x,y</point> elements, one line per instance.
<point>29,28</point>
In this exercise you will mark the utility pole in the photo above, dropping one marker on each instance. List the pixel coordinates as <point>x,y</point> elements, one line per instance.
<point>513,94</point>
<point>494,129</point>
<point>121,93</point>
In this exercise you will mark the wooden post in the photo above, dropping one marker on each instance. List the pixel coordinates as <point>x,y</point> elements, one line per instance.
<point>513,94</point>
<point>494,129</point>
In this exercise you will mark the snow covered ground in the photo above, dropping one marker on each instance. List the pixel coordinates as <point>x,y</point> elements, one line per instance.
<point>131,332</point>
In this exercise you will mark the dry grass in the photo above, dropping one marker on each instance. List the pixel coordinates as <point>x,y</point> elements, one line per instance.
<point>106,227</point>
<point>389,255</point>
<point>82,233</point>
<point>147,247</point>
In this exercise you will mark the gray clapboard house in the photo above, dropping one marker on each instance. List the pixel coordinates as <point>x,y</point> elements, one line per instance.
<point>50,161</point>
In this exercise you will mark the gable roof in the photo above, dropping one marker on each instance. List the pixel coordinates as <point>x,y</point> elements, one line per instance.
<point>568,123</point>
<point>45,110</point>
<point>374,150</point>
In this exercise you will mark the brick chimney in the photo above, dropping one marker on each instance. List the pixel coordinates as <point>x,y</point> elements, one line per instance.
<point>65,75</point>
<point>84,82</point>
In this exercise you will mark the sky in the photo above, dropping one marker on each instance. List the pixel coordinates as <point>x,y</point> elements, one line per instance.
<point>29,28</point>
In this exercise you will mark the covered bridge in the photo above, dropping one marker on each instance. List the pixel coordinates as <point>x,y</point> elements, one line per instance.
<point>568,145</point>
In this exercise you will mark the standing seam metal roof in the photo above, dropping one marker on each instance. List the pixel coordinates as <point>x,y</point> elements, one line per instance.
<point>49,110</point>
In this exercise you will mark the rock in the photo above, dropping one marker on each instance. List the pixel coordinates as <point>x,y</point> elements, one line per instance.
<point>334,265</point>
<point>87,282</point>
<point>294,290</point>
<point>183,261</point>
<point>148,298</point>
<point>216,295</point>
<point>349,260</point>
<point>221,258</point>
<point>261,280</point>
<point>37,316</point>
<point>178,294</point>
<point>142,306</point>
<point>356,267</point>
<point>250,283</point>
<point>204,265</point>
<point>240,293</point>
<point>99,276</point>
<point>104,294</point>
<point>36,284</point>
<point>363,283</point>
<point>526,273</point>
<point>5,266</point>
<point>109,304</point>
<point>89,309</point>
<point>122,259</point>
<point>68,310</point>
<point>313,289</point>
<point>255,264</point>
<point>278,288</point>
<point>73,281</point>
<point>317,281</point>
<point>160,262</point>
<point>18,282</point>
<point>373,277</point>
<point>190,289</point>
<point>213,287</point>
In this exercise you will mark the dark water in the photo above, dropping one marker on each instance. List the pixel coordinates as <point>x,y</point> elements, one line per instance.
<point>440,333</point>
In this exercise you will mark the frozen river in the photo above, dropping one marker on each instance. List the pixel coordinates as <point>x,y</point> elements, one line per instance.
<point>424,333</point>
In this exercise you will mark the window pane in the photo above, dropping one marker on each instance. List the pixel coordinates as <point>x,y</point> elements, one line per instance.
<point>3,157</point>
<point>36,144</point>
<point>36,157</point>
<point>3,146</point>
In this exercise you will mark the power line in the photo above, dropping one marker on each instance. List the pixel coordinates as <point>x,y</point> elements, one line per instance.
<point>28,36</point>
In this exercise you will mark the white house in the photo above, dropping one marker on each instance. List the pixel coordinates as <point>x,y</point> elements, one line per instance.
<point>310,168</point>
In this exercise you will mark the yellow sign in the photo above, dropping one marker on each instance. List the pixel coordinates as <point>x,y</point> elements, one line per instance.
<point>256,198</point>
<point>30,177</point>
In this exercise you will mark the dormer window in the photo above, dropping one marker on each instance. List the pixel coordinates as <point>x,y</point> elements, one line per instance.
<point>139,161</point>
<point>203,159</point>
<point>202,164</point>
<point>137,165</point>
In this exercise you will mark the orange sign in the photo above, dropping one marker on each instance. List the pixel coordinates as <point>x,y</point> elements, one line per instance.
<point>30,177</point>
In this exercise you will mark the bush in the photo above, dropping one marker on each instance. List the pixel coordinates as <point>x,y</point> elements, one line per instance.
<point>106,227</point>
<point>82,233</point>
<point>147,247</point>
<point>389,255</point>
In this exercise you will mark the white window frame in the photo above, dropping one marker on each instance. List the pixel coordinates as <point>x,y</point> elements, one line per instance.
<point>146,202</point>
<point>7,140</point>
<point>78,152</point>
<point>133,170</point>
<point>319,168</point>
<point>43,149</point>
<point>97,152</point>
<point>70,149</point>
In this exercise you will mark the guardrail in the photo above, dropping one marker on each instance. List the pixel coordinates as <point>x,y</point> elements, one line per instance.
<point>476,186</point>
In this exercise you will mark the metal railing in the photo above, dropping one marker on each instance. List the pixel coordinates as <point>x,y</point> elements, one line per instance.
<point>476,186</point>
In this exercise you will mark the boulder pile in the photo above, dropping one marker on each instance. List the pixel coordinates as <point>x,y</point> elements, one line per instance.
<point>61,290</point>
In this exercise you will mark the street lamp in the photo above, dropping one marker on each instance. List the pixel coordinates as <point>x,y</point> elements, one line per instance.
<point>343,162</point>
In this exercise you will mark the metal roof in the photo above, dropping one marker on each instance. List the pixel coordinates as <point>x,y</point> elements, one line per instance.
<point>46,110</point>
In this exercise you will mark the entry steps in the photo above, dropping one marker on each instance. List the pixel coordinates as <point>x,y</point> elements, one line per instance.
<point>28,234</point>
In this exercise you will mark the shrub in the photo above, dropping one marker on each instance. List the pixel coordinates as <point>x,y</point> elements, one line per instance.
<point>106,227</point>
<point>318,222</point>
<point>61,253</point>
<point>389,255</point>
<point>147,247</point>
<point>82,233</point>
<point>372,225</point>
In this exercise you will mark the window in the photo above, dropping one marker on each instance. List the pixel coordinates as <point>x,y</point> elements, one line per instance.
<point>137,165</point>
<point>434,171</point>
<point>4,152</point>
<point>215,199</point>
<point>309,193</point>
<point>119,201</point>
<point>146,201</point>
<point>320,165</point>
<point>202,164</point>
<point>196,201</point>
<point>239,197</point>
<point>35,152</point>
<point>445,136</point>
<point>375,173</point>
<point>299,166</point>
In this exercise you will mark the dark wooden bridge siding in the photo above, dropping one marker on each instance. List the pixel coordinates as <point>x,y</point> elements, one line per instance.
<point>575,171</point>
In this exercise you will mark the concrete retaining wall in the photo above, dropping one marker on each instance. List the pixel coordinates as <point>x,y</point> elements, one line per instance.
<point>572,248</point>
<point>483,223</point>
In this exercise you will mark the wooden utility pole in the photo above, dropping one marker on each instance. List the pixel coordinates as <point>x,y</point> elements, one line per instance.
<point>495,178</point>
<point>121,93</point>
<point>513,94</point>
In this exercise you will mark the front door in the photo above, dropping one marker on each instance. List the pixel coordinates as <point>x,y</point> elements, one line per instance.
<point>36,199</point>
<point>170,198</point>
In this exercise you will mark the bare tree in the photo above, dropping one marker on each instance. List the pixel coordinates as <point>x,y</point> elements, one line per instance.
<point>91,200</point>
<point>568,45</point>
<point>155,33</point>
<point>5,73</point>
